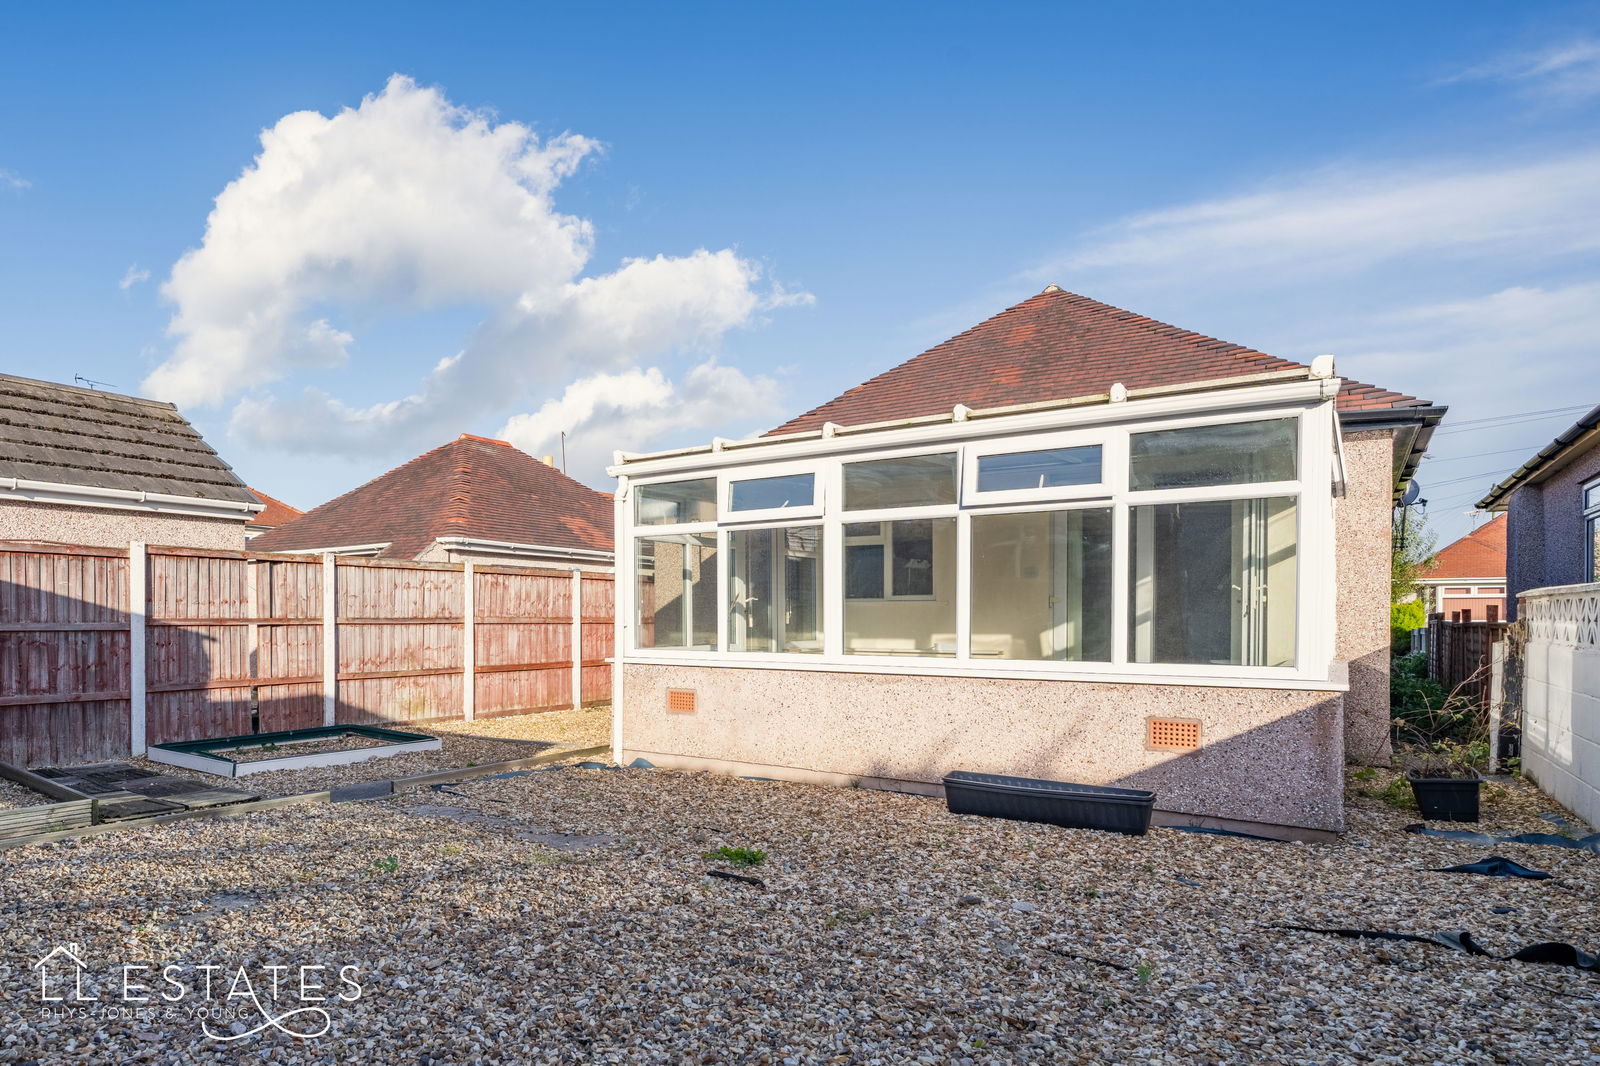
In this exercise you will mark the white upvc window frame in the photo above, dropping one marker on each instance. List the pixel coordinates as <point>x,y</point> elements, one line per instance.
<point>725,586</point>
<point>973,495</point>
<point>667,533</point>
<point>726,515</point>
<point>1112,428</point>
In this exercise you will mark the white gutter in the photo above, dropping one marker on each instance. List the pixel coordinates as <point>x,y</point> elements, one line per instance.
<point>342,549</point>
<point>1278,387</point>
<point>506,547</point>
<point>51,492</point>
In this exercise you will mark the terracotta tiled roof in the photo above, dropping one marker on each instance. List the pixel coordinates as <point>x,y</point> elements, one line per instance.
<point>472,487</point>
<point>1055,346</point>
<point>276,514</point>
<point>1481,553</point>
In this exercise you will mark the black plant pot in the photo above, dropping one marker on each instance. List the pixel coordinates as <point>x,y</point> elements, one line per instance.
<point>1447,799</point>
<point>1027,799</point>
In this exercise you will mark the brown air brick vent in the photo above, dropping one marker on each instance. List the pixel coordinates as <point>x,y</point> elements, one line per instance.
<point>680,700</point>
<point>1173,734</point>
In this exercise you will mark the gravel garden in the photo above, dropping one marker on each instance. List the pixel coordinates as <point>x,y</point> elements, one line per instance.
<point>641,916</point>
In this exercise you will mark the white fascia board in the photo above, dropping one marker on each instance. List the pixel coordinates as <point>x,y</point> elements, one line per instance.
<point>22,490</point>
<point>941,429</point>
<point>341,549</point>
<point>506,547</point>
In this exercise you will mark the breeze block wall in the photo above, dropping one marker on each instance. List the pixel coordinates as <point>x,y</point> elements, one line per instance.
<point>1273,757</point>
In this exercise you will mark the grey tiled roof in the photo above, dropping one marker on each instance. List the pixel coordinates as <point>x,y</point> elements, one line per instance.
<point>73,436</point>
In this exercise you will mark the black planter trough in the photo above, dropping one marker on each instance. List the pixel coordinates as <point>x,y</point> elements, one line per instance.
<point>1446,799</point>
<point>1029,799</point>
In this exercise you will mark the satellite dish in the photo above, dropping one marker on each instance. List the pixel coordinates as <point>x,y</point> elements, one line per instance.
<point>1413,491</point>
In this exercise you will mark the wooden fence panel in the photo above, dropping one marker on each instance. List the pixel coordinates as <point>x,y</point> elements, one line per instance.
<point>522,640</point>
<point>63,653</point>
<point>197,646</point>
<point>288,643</point>
<point>1459,653</point>
<point>234,645</point>
<point>599,611</point>
<point>400,633</point>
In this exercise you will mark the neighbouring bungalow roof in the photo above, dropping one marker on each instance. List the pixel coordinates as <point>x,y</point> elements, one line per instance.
<point>473,487</point>
<point>1481,553</point>
<point>65,435</point>
<point>1581,436</point>
<point>276,514</point>
<point>1055,345</point>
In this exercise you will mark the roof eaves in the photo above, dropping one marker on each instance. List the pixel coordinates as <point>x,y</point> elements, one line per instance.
<point>1496,499</point>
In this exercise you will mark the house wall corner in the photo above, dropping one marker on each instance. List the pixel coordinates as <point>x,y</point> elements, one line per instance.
<point>1363,523</point>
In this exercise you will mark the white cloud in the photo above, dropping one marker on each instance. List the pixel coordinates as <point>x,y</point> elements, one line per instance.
<point>636,409</point>
<point>132,276</point>
<point>12,180</point>
<point>409,203</point>
<point>1564,72</point>
<point>1520,349</point>
<point>1347,219</point>
<point>1525,339</point>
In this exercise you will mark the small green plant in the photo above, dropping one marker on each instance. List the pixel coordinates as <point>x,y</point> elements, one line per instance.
<point>388,864</point>
<point>1396,794</point>
<point>745,857</point>
<point>451,849</point>
<point>1366,773</point>
<point>978,1042</point>
<point>1144,971</point>
<point>1092,893</point>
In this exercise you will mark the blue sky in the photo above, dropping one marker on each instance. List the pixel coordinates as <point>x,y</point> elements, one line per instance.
<point>652,223</point>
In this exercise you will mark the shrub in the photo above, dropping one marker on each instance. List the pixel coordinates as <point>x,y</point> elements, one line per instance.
<point>1434,727</point>
<point>1403,618</point>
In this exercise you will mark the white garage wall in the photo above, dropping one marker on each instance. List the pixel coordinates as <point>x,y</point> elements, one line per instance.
<point>1561,695</point>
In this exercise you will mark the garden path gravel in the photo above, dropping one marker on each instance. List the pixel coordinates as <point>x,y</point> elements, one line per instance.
<point>887,931</point>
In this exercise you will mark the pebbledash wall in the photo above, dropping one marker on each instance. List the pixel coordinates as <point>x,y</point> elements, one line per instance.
<point>1545,531</point>
<point>1363,525</point>
<point>1270,756</point>
<point>104,527</point>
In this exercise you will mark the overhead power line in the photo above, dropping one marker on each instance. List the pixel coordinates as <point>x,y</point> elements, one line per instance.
<point>1526,450</point>
<point>1513,419</point>
<point>1469,477</point>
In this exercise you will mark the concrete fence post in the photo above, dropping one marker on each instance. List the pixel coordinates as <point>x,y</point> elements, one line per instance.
<point>577,640</point>
<point>138,601</point>
<point>330,638</point>
<point>469,643</point>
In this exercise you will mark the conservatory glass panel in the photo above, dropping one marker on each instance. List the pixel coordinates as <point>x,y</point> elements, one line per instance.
<point>1213,583</point>
<point>677,502</point>
<point>1241,453</point>
<point>900,587</point>
<point>676,591</point>
<point>768,493</point>
<point>775,590</point>
<point>913,481</point>
<point>1041,585</point>
<point>1047,468</point>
